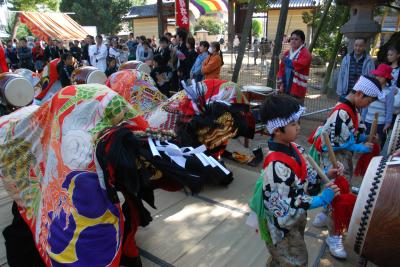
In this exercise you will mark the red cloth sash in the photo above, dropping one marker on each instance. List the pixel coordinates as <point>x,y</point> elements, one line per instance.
<point>299,169</point>
<point>354,118</point>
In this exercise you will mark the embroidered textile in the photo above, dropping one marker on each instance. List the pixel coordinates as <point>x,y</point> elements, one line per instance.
<point>48,166</point>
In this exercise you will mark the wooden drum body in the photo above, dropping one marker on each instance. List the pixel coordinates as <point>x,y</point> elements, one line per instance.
<point>394,142</point>
<point>15,90</point>
<point>135,65</point>
<point>86,75</point>
<point>374,231</point>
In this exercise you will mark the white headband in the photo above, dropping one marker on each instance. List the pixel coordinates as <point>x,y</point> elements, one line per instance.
<point>282,122</point>
<point>369,88</point>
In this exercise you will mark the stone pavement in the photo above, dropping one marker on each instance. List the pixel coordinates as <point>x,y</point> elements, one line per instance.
<point>209,229</point>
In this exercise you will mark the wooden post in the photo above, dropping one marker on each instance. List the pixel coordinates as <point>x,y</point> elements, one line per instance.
<point>160,13</point>
<point>278,44</point>
<point>231,29</point>
<point>243,41</point>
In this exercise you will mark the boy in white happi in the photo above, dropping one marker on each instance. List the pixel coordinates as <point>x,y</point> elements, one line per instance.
<point>284,191</point>
<point>342,129</point>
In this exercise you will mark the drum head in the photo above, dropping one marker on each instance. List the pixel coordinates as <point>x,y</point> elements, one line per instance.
<point>353,237</point>
<point>135,65</point>
<point>394,143</point>
<point>18,92</point>
<point>257,88</point>
<point>96,76</point>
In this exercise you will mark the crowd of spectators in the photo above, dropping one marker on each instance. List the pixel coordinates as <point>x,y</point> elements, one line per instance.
<point>173,59</point>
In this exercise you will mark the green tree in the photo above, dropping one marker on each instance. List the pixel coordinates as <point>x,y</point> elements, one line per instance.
<point>33,5</point>
<point>256,28</point>
<point>326,41</point>
<point>23,31</point>
<point>105,14</point>
<point>210,24</point>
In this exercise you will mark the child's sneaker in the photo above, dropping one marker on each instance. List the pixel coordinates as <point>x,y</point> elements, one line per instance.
<point>320,220</point>
<point>336,247</point>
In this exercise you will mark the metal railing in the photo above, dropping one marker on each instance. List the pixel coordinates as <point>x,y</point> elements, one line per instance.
<point>317,104</point>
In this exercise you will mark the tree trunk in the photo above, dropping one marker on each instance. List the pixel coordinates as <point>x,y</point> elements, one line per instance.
<point>243,41</point>
<point>160,18</point>
<point>321,23</point>
<point>278,44</point>
<point>377,37</point>
<point>231,29</point>
<point>332,58</point>
<point>15,26</point>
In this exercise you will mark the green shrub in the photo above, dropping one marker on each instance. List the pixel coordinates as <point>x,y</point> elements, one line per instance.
<point>210,24</point>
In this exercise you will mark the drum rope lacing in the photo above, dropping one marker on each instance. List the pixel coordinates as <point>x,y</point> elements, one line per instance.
<point>397,143</point>
<point>367,209</point>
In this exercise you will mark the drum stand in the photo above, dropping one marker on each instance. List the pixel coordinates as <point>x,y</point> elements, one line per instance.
<point>362,262</point>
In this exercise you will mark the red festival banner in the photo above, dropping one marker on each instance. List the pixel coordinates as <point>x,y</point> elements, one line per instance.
<point>182,14</point>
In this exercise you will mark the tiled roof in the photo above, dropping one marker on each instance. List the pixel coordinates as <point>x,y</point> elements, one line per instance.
<point>295,4</point>
<point>149,11</point>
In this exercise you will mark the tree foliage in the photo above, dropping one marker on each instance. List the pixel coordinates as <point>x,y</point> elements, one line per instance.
<point>326,40</point>
<point>256,28</point>
<point>210,24</point>
<point>33,5</point>
<point>23,31</point>
<point>105,14</point>
<point>261,5</point>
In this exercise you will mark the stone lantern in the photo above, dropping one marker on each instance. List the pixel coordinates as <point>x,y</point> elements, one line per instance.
<point>361,23</point>
<point>201,35</point>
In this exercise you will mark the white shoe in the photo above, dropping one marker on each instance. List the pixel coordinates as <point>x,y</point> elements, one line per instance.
<point>320,220</point>
<point>336,247</point>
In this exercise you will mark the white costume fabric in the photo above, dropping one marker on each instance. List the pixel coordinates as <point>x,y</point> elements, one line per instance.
<point>98,56</point>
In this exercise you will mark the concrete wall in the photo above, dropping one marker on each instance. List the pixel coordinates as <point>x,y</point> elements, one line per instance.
<point>294,21</point>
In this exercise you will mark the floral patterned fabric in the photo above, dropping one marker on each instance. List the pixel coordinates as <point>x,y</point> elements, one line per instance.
<point>48,166</point>
<point>286,196</point>
<point>163,113</point>
<point>137,88</point>
<point>49,81</point>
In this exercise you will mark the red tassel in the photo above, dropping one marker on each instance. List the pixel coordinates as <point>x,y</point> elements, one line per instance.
<point>365,159</point>
<point>343,184</point>
<point>342,209</point>
<point>342,205</point>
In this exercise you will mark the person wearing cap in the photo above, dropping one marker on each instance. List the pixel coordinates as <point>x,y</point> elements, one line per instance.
<point>288,186</point>
<point>384,105</point>
<point>342,128</point>
<point>353,66</point>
